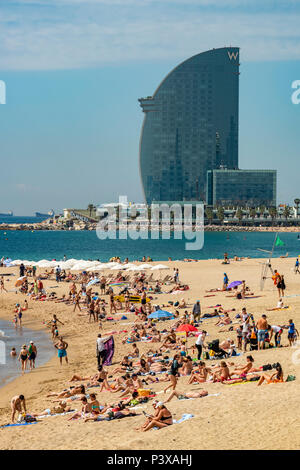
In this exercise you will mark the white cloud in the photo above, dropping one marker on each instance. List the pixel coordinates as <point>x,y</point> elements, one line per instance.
<point>39,38</point>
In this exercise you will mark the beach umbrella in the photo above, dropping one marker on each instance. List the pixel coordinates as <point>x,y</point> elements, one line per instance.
<point>186,328</point>
<point>135,268</point>
<point>145,266</point>
<point>159,267</point>
<point>16,262</point>
<point>159,314</point>
<point>128,265</point>
<point>94,281</point>
<point>234,284</point>
<point>7,262</point>
<point>20,281</point>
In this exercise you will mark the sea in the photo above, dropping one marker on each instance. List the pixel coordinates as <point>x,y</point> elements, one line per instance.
<point>10,336</point>
<point>37,245</point>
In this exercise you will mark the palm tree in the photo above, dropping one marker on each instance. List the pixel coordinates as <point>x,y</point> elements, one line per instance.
<point>297,204</point>
<point>286,212</point>
<point>239,214</point>
<point>220,214</point>
<point>209,214</point>
<point>273,213</point>
<point>252,214</point>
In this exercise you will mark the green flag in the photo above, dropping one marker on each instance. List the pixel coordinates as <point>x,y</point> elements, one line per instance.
<point>278,242</point>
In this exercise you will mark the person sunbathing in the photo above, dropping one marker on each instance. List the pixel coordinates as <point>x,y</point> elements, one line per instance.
<point>125,364</point>
<point>62,407</point>
<point>161,420</point>
<point>221,374</point>
<point>86,409</point>
<point>277,377</point>
<point>187,366</point>
<point>200,375</point>
<point>224,321</point>
<point>80,389</point>
<point>244,370</point>
<point>187,395</point>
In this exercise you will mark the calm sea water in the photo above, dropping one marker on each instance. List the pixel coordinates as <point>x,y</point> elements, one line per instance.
<point>21,220</point>
<point>85,245</point>
<point>12,337</point>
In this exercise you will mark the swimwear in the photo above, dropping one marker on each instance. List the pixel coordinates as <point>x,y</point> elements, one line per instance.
<point>23,357</point>
<point>62,353</point>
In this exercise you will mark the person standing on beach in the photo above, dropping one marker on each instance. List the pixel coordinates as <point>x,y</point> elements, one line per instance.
<point>22,270</point>
<point>32,353</point>
<point>262,326</point>
<point>2,287</point>
<point>62,346</point>
<point>225,281</point>
<point>112,302</point>
<point>77,300</point>
<point>200,343</point>
<point>297,266</point>
<point>17,403</point>
<point>197,310</point>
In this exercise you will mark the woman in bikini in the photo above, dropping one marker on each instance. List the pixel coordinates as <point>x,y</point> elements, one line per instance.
<point>23,358</point>
<point>277,377</point>
<point>222,374</point>
<point>200,375</point>
<point>162,420</point>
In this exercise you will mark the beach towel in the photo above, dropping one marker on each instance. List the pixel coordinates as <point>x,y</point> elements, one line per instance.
<point>110,349</point>
<point>185,417</point>
<point>17,424</point>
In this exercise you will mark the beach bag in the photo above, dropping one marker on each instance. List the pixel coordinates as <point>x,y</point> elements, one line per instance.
<point>290,378</point>
<point>29,419</point>
<point>143,392</point>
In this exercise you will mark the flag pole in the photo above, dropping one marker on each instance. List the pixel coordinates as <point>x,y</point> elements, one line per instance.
<point>276,235</point>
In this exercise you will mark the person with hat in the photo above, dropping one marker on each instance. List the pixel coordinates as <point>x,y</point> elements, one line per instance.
<point>32,353</point>
<point>163,418</point>
<point>196,310</point>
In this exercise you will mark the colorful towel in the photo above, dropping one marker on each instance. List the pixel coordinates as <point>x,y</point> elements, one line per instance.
<point>110,350</point>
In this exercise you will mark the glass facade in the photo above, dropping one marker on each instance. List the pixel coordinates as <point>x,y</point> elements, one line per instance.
<point>241,187</point>
<point>190,126</point>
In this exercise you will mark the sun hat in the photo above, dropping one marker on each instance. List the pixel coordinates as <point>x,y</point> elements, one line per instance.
<point>158,404</point>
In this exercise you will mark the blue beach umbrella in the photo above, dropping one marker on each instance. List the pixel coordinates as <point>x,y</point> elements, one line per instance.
<point>234,284</point>
<point>159,314</point>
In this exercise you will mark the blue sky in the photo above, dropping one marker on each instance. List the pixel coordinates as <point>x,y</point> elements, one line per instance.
<point>74,69</point>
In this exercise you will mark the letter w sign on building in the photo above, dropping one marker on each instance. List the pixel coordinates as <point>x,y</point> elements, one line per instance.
<point>232,55</point>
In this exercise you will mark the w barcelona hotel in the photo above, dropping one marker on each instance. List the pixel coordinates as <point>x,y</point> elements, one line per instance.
<point>189,139</point>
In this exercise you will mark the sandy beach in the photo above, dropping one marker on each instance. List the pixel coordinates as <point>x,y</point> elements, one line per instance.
<point>241,416</point>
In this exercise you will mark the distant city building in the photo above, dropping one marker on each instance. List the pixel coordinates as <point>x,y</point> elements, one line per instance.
<point>241,187</point>
<point>190,136</point>
<point>190,126</point>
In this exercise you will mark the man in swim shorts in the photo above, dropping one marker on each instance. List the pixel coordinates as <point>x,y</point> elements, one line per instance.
<point>262,326</point>
<point>17,403</point>
<point>61,346</point>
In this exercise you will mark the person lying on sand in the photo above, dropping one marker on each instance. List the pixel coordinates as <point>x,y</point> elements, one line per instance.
<point>79,389</point>
<point>187,395</point>
<point>62,407</point>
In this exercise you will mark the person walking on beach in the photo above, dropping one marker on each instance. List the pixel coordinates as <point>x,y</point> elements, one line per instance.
<point>197,310</point>
<point>225,281</point>
<point>100,349</point>
<point>112,303</point>
<point>32,353</point>
<point>61,347</point>
<point>2,287</point>
<point>23,357</point>
<point>77,300</point>
<point>262,326</point>
<point>17,403</point>
<point>297,266</point>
